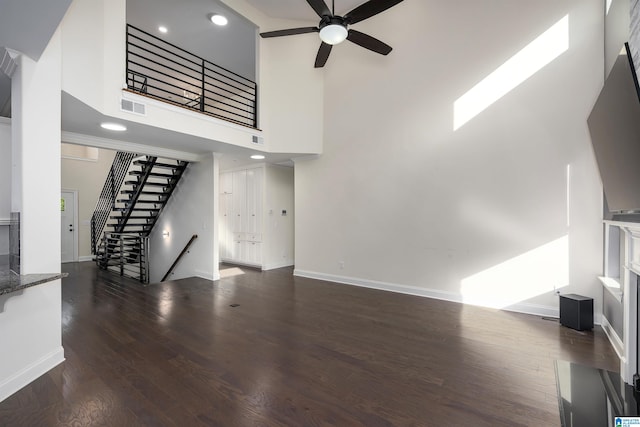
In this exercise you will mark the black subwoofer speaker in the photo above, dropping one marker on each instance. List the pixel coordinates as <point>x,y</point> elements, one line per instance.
<point>576,312</point>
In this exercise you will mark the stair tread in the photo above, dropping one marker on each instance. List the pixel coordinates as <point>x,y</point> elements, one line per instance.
<point>133,217</point>
<point>137,209</point>
<point>155,174</point>
<point>152,184</point>
<point>155,201</point>
<point>159,193</point>
<point>160,164</point>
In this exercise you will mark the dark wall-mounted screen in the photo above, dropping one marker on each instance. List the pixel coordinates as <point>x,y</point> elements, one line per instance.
<point>614,125</point>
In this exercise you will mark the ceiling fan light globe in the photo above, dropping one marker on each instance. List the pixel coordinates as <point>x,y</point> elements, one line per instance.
<point>333,34</point>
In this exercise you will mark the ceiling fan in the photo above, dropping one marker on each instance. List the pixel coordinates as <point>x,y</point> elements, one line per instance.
<point>334,29</point>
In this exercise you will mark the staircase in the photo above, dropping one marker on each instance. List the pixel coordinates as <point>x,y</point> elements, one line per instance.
<point>133,211</point>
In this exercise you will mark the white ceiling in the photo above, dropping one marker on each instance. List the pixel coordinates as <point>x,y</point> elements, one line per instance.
<point>78,118</point>
<point>232,46</point>
<point>27,25</point>
<point>300,9</point>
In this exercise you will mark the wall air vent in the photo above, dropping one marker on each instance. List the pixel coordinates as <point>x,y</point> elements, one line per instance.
<point>133,107</point>
<point>257,139</point>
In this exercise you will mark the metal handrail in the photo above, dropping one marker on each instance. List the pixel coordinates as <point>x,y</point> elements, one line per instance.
<point>169,73</point>
<point>184,251</point>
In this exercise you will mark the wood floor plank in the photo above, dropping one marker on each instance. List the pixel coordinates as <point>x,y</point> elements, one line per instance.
<point>293,352</point>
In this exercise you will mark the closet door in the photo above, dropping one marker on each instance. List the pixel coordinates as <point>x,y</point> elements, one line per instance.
<point>239,197</point>
<point>226,183</point>
<point>225,226</point>
<point>255,183</point>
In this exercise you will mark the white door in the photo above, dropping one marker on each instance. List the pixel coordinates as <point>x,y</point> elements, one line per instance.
<point>68,230</point>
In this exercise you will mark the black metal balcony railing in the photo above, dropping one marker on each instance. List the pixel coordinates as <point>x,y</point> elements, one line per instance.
<point>161,70</point>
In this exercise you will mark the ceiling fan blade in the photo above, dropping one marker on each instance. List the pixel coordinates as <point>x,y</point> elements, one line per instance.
<point>323,55</point>
<point>369,9</point>
<point>320,7</point>
<point>289,32</point>
<point>369,42</point>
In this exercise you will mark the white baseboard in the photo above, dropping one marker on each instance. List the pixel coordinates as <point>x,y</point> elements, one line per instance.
<point>273,266</point>
<point>383,286</point>
<point>31,373</point>
<point>85,258</point>
<point>534,309</point>
<point>205,275</point>
<point>614,339</point>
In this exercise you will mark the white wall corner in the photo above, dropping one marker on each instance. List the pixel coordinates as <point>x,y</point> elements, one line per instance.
<point>30,373</point>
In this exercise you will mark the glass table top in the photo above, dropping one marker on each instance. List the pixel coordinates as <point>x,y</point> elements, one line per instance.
<point>592,397</point>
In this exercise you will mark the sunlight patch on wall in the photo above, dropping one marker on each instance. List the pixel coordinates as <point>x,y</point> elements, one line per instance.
<point>540,52</point>
<point>537,272</point>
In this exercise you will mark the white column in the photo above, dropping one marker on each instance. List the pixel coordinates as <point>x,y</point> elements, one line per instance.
<point>36,138</point>
<point>30,320</point>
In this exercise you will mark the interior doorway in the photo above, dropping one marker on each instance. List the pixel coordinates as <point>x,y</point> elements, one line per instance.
<point>69,225</point>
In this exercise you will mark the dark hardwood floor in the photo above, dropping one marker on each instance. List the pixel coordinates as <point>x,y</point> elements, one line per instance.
<point>294,352</point>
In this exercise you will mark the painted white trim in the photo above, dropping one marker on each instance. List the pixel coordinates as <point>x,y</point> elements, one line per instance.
<point>275,265</point>
<point>534,309</point>
<point>5,121</point>
<point>31,373</point>
<point>117,145</point>
<point>613,286</point>
<point>614,339</point>
<point>216,277</point>
<point>80,159</point>
<point>383,286</point>
<point>85,258</point>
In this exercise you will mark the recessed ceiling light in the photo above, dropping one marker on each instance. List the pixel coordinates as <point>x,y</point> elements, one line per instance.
<point>113,126</point>
<point>219,19</point>
<point>163,29</point>
<point>257,157</point>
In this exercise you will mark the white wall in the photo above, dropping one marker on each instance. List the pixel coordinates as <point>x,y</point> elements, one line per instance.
<point>290,89</point>
<point>616,28</point>
<point>278,228</point>
<point>190,211</point>
<point>5,183</point>
<point>479,214</point>
<point>30,321</point>
<point>88,178</point>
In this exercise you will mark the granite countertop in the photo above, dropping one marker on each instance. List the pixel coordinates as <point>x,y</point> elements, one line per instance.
<point>11,282</point>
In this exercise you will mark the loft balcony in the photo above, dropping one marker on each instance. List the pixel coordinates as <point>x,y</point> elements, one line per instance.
<point>160,70</point>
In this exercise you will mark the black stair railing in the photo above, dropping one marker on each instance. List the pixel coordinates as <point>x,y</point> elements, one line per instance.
<point>106,201</point>
<point>126,254</point>
<point>164,71</point>
<point>147,167</point>
<point>143,194</point>
<point>184,251</point>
